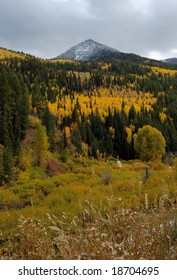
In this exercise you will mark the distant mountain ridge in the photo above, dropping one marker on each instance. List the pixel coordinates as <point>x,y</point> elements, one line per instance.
<point>94,51</point>
<point>87,50</point>
<point>171,60</point>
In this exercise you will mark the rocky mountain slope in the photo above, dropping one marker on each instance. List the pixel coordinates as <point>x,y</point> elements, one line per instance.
<point>91,50</point>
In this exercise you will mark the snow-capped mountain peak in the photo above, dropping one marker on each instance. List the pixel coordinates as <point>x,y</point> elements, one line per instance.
<point>87,50</point>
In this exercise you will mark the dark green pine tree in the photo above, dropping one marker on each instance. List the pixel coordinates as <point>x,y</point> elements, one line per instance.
<point>79,84</point>
<point>121,146</point>
<point>109,119</point>
<point>94,148</point>
<point>6,123</point>
<point>108,144</point>
<point>51,95</point>
<point>82,129</point>
<point>132,115</point>
<point>15,98</point>
<point>38,100</point>
<point>89,134</point>
<point>23,107</point>
<point>75,114</point>
<point>5,111</point>
<point>65,141</point>
<point>171,145</point>
<point>132,149</point>
<point>97,126</point>
<point>76,140</point>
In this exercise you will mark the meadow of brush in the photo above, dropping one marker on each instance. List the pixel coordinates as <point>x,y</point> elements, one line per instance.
<point>91,210</point>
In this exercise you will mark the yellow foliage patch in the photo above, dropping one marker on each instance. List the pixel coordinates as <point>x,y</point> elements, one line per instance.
<point>163,71</point>
<point>11,54</point>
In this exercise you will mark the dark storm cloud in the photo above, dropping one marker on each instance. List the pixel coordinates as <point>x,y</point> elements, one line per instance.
<point>48,27</point>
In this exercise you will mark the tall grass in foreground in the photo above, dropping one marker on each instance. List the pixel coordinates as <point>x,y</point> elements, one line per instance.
<point>108,232</point>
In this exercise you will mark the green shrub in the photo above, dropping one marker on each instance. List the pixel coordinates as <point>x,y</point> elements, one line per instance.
<point>9,200</point>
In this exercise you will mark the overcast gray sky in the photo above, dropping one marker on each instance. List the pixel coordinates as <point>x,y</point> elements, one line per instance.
<point>46,28</point>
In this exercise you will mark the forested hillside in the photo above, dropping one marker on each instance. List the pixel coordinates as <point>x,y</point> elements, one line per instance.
<point>91,109</point>
<point>63,126</point>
